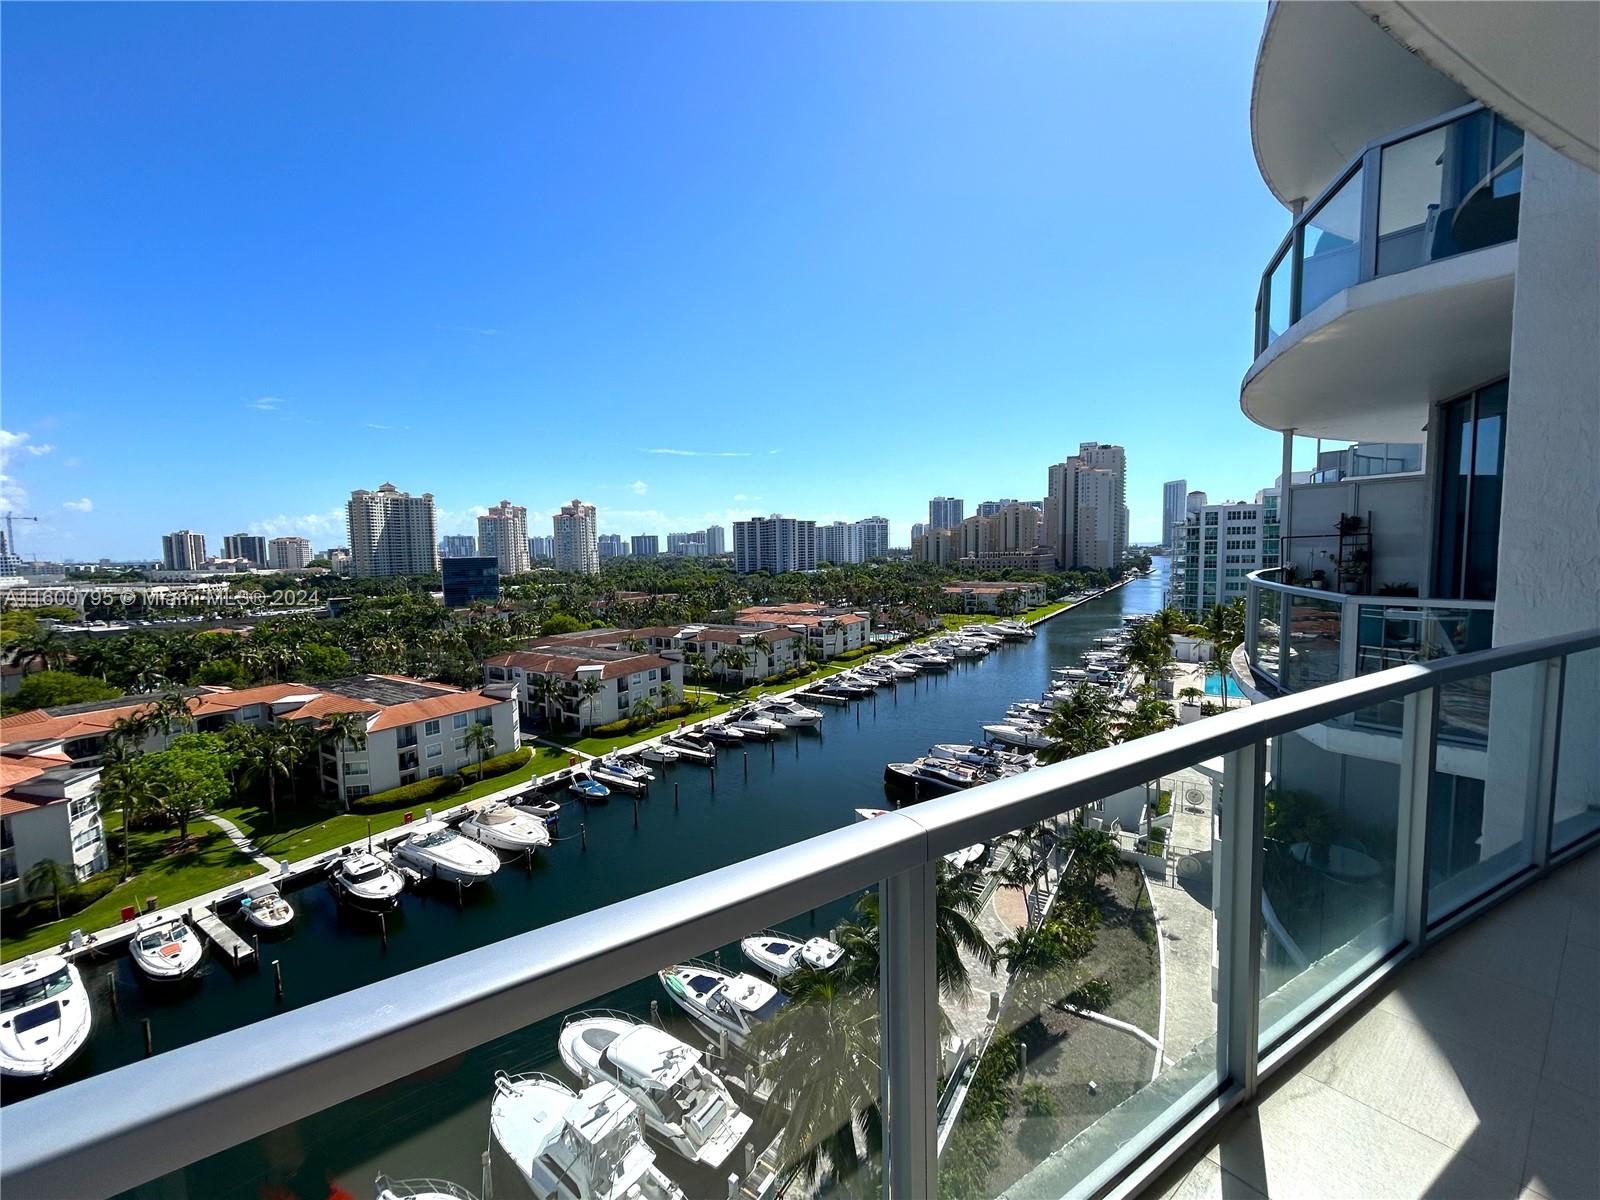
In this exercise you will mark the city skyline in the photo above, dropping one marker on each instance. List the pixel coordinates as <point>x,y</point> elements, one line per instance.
<point>521,305</point>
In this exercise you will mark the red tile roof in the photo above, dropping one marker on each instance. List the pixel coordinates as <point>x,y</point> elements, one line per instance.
<point>543,661</point>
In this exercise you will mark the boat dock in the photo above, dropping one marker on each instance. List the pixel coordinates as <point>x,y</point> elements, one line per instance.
<point>232,947</point>
<point>760,1174</point>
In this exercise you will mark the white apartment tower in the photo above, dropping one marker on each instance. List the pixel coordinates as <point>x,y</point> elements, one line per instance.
<point>1216,548</point>
<point>183,550</point>
<point>575,545</point>
<point>716,539</point>
<point>503,534</point>
<point>1173,497</point>
<point>774,544</point>
<point>288,553</point>
<point>869,539</point>
<point>392,532</point>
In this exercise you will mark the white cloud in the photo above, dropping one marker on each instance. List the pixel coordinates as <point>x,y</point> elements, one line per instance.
<point>12,493</point>
<point>375,425</point>
<point>41,448</point>
<point>697,453</point>
<point>84,505</point>
<point>638,487</point>
<point>324,524</point>
<point>265,403</point>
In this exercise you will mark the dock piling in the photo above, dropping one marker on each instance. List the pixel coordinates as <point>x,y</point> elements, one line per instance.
<point>733,1186</point>
<point>749,1159</point>
<point>149,1038</point>
<point>277,978</point>
<point>255,942</point>
<point>636,812</point>
<point>583,835</point>
<point>111,990</point>
<point>527,859</point>
<point>383,929</point>
<point>674,797</point>
<point>747,764</point>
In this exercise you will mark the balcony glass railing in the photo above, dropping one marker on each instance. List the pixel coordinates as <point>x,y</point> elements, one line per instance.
<point>1426,193</point>
<point>1085,1057</point>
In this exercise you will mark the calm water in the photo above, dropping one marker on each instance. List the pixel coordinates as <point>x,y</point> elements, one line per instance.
<point>436,1123</point>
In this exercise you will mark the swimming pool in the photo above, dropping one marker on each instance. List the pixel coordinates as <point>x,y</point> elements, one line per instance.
<point>1214,688</point>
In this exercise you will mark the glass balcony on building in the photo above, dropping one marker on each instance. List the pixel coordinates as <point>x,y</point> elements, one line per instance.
<point>1415,198</point>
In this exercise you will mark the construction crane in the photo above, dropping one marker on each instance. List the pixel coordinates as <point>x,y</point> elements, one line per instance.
<point>11,529</point>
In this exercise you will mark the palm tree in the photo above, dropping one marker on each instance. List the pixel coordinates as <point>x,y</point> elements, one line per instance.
<point>956,900</point>
<point>590,687</point>
<point>1040,959</point>
<point>276,758</point>
<point>1094,853</point>
<point>126,789</point>
<point>1079,725</point>
<point>643,709</point>
<point>47,875</point>
<point>668,693</point>
<point>479,738</point>
<point>821,1054</point>
<point>1223,627</point>
<point>345,730</point>
<point>734,659</point>
<point>1150,714</point>
<point>170,712</point>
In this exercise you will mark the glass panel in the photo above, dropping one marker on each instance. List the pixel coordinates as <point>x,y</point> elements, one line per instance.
<point>1269,633</point>
<point>1312,645</point>
<point>1448,191</point>
<point>1330,252</point>
<point>1480,824</point>
<point>1577,799</point>
<point>740,1107</point>
<point>1329,879</point>
<point>1483,517</point>
<point>1084,986</point>
<point>1277,297</point>
<point>1391,635</point>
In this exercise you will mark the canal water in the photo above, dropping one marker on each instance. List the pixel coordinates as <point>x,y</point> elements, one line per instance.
<point>435,1124</point>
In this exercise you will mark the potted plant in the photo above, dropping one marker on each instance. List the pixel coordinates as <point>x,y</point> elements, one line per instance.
<point>1398,589</point>
<point>1349,523</point>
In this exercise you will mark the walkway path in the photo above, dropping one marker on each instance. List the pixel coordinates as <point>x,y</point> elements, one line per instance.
<point>241,842</point>
<point>1183,908</point>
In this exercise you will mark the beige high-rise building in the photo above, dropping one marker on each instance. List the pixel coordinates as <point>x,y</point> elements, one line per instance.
<point>1085,510</point>
<point>392,532</point>
<point>183,550</point>
<point>288,553</point>
<point>576,548</point>
<point>503,534</point>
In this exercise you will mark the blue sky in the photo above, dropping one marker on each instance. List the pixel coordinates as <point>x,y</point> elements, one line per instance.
<point>688,263</point>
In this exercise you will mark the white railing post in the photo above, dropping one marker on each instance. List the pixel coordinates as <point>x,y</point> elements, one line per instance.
<point>908,1025</point>
<point>1238,917</point>
<point>1547,696</point>
<point>1419,743</point>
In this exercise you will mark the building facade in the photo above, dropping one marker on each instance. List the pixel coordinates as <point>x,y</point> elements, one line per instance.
<point>869,539</point>
<point>716,540</point>
<point>774,544</point>
<point>610,545</point>
<point>575,548</point>
<point>289,553</point>
<point>503,533</point>
<point>458,545</point>
<point>248,546</point>
<point>553,679</point>
<point>645,545</point>
<point>183,550</point>
<point>1215,550</point>
<point>541,548</point>
<point>946,512</point>
<point>48,811</point>
<point>1085,513</point>
<point>1173,495</point>
<point>1007,599</point>
<point>469,579</point>
<point>392,533</point>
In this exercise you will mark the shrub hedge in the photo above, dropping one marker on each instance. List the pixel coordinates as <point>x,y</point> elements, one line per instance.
<point>408,793</point>
<point>500,764</point>
<point>628,724</point>
<point>42,910</point>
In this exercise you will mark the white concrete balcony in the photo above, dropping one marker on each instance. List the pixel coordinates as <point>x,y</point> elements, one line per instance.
<point>1395,286</point>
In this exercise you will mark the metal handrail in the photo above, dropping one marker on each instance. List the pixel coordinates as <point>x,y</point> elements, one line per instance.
<point>1258,579</point>
<point>114,1131</point>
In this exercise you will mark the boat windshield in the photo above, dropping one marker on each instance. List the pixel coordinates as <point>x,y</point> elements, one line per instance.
<point>498,816</point>
<point>363,872</point>
<point>431,840</point>
<point>33,990</point>
<point>158,938</point>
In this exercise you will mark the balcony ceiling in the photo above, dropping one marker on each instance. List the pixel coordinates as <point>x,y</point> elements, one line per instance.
<point>1328,80</point>
<point>1368,362</point>
<point>1533,62</point>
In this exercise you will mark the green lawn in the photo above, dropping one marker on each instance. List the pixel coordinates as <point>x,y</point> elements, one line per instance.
<point>958,620</point>
<point>209,862</point>
<point>308,832</point>
<point>1045,610</point>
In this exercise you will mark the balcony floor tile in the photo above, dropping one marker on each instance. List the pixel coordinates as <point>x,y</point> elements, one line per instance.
<point>1564,1153</point>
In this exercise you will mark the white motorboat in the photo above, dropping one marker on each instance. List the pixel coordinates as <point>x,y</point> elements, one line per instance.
<point>45,1016</point>
<point>752,722</point>
<point>927,660</point>
<point>789,712</point>
<point>419,1189</point>
<point>723,733</point>
<point>438,852</point>
<point>968,649</point>
<point>700,751</point>
<point>850,687</point>
<point>265,908</point>
<point>980,756</point>
<point>897,668</point>
<point>967,856</point>
<point>929,777</point>
<point>660,752</point>
<point>684,1104</point>
<point>1014,630</point>
<point>589,790</point>
<point>617,780</point>
<point>574,1146</point>
<point>780,955</point>
<point>720,1002</point>
<point>165,949</point>
<point>1025,734</point>
<point>629,764</point>
<point>364,879</point>
<point>534,802</point>
<point>501,826</point>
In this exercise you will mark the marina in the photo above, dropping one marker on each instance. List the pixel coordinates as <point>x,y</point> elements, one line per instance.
<point>755,796</point>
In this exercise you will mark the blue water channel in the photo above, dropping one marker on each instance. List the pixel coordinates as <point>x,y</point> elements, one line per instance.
<point>435,1123</point>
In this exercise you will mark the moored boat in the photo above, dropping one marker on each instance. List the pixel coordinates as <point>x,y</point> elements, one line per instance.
<point>265,908</point>
<point>720,1002</point>
<point>365,880</point>
<point>502,826</point>
<point>780,955</point>
<point>45,1016</point>
<point>165,949</point>
<point>436,851</point>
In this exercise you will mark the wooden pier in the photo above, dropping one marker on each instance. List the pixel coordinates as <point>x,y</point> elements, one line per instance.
<point>229,944</point>
<point>756,1184</point>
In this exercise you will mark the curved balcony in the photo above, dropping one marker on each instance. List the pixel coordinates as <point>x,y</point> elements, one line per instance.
<point>1299,637</point>
<point>1394,286</point>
